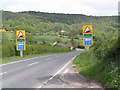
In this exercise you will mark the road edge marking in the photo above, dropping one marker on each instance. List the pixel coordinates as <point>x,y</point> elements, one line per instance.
<point>66,71</point>
<point>23,60</point>
<point>57,72</point>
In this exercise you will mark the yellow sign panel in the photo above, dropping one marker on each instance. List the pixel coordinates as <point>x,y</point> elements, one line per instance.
<point>20,34</point>
<point>87,29</point>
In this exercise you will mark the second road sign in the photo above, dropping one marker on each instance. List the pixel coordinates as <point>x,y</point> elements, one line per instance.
<point>21,46</point>
<point>88,41</point>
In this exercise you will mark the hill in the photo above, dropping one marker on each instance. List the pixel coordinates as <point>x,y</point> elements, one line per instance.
<point>40,23</point>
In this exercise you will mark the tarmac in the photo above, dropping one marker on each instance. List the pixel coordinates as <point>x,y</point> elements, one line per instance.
<point>74,78</point>
<point>71,78</point>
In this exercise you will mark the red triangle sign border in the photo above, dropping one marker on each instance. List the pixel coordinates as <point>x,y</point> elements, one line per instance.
<point>19,34</point>
<point>89,29</point>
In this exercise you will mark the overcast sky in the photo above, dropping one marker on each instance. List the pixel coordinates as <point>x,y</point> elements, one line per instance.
<point>87,7</point>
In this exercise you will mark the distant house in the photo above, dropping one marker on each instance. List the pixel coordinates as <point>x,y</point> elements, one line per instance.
<point>54,43</point>
<point>62,31</point>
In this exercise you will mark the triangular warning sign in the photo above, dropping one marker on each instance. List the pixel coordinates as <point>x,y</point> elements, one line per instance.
<point>87,30</point>
<point>20,35</point>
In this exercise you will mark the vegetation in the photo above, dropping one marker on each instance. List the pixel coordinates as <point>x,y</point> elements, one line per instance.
<point>51,24</point>
<point>43,29</point>
<point>101,62</point>
<point>17,58</point>
<point>9,49</point>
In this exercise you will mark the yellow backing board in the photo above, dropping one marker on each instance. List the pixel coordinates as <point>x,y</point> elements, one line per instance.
<point>20,34</point>
<point>87,29</point>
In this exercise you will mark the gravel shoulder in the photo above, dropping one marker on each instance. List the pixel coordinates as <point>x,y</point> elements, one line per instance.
<point>71,78</point>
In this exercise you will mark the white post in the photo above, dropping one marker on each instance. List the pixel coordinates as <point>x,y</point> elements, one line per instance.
<point>21,53</point>
<point>87,48</point>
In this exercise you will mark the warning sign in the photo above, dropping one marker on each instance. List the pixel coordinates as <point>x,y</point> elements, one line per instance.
<point>20,34</point>
<point>87,29</point>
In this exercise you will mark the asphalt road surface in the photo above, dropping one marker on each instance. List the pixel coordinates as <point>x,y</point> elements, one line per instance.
<point>34,72</point>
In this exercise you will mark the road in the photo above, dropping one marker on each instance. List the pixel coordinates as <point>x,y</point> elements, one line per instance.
<point>34,72</point>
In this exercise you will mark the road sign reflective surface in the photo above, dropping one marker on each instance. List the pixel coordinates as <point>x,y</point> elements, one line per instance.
<point>87,41</point>
<point>20,46</point>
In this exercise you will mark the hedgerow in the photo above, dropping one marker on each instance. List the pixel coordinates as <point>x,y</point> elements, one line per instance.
<point>9,49</point>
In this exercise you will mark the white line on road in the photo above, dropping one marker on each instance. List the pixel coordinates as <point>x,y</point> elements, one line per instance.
<point>3,73</point>
<point>33,63</point>
<point>56,73</point>
<point>65,71</point>
<point>23,60</point>
<point>48,58</point>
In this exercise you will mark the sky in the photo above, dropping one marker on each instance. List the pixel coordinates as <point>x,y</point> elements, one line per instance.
<point>87,7</point>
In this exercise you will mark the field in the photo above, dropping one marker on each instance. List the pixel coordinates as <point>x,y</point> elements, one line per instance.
<point>51,39</point>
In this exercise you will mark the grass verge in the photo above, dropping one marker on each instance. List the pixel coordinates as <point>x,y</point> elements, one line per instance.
<point>17,58</point>
<point>104,71</point>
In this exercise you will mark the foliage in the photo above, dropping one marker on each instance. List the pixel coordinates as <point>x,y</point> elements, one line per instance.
<point>58,40</point>
<point>39,23</point>
<point>101,62</point>
<point>9,49</point>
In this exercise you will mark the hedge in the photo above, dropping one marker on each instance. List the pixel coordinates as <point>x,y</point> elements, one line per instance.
<point>9,49</point>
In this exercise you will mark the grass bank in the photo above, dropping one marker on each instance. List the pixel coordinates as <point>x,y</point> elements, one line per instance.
<point>9,53</point>
<point>101,63</point>
<point>18,58</point>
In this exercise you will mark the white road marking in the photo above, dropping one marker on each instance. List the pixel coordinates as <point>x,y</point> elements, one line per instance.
<point>48,58</point>
<point>65,71</point>
<point>40,86</point>
<point>56,73</point>
<point>23,60</point>
<point>33,63</point>
<point>3,73</point>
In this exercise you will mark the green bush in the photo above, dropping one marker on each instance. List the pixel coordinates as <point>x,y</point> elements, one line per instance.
<point>9,49</point>
<point>101,62</point>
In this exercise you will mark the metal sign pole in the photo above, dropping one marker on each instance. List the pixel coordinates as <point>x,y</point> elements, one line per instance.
<point>21,53</point>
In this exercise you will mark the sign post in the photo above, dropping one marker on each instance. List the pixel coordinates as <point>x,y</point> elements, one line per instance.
<point>87,36</point>
<point>21,53</point>
<point>20,42</point>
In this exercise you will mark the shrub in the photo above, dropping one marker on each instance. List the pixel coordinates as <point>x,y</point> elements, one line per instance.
<point>9,49</point>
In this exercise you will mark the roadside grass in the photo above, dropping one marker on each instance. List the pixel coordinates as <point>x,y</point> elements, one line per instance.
<point>9,35</point>
<point>17,58</point>
<point>6,60</point>
<point>104,70</point>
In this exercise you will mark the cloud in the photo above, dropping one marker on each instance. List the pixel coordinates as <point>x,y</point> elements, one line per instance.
<point>88,7</point>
